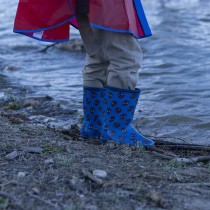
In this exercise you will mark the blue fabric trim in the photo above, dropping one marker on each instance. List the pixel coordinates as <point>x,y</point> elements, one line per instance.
<point>44,40</point>
<point>93,88</point>
<point>142,17</point>
<point>44,29</point>
<point>72,5</point>
<point>119,31</point>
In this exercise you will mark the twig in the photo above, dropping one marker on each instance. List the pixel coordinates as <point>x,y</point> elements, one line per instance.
<point>192,184</point>
<point>158,150</point>
<point>91,177</point>
<point>7,195</point>
<point>47,47</point>
<point>153,177</point>
<point>182,160</point>
<point>2,164</point>
<point>17,153</point>
<point>193,160</point>
<point>42,200</point>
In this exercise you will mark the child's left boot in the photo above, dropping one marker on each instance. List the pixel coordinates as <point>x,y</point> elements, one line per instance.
<point>119,108</point>
<point>93,108</point>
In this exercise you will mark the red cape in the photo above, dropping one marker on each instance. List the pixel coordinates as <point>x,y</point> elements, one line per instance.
<point>49,20</point>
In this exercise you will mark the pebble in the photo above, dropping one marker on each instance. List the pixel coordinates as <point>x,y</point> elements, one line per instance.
<point>49,161</point>
<point>100,173</point>
<point>21,174</point>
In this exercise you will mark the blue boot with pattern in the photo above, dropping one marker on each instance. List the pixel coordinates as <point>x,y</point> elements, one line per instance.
<point>93,107</point>
<point>118,124</point>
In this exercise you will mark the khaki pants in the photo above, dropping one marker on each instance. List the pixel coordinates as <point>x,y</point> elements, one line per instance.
<point>113,59</point>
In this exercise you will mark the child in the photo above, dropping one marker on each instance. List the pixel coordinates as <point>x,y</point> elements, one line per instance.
<point>109,30</point>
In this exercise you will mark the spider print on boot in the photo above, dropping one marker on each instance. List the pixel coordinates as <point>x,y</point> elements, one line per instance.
<point>118,122</point>
<point>93,103</point>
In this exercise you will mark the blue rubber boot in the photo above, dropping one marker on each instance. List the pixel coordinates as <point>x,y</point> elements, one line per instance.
<point>93,107</point>
<point>120,107</point>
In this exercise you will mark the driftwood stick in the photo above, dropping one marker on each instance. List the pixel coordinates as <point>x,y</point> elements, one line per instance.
<point>176,146</point>
<point>183,160</point>
<point>158,150</point>
<point>161,142</point>
<point>187,147</point>
<point>155,138</point>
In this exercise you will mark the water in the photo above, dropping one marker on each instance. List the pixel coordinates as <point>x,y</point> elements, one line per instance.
<point>174,79</point>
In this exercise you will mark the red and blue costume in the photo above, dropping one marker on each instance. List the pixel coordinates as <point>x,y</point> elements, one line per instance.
<point>49,20</point>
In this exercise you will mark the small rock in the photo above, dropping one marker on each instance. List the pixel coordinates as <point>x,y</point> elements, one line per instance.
<point>36,190</point>
<point>10,68</point>
<point>81,196</point>
<point>21,174</point>
<point>49,161</point>
<point>100,173</point>
<point>12,155</point>
<point>157,199</point>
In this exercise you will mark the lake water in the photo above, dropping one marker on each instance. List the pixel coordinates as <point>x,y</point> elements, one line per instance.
<point>175,98</point>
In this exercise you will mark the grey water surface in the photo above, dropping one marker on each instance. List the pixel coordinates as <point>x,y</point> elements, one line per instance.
<point>174,79</point>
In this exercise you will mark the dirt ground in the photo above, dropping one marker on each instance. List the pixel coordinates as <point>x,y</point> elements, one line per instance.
<point>59,174</point>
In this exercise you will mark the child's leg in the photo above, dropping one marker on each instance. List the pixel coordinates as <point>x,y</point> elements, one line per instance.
<point>95,71</point>
<point>94,76</point>
<point>125,57</point>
